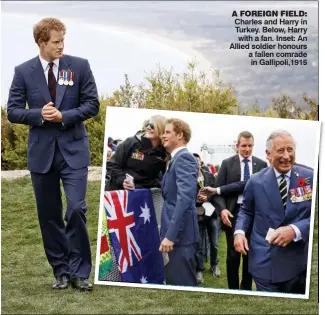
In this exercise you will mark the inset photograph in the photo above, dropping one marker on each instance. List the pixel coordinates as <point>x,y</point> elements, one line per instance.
<point>207,202</point>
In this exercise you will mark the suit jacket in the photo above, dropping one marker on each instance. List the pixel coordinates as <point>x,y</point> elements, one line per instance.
<point>305,166</point>
<point>179,216</point>
<point>76,103</point>
<point>232,189</point>
<point>229,173</point>
<point>262,209</point>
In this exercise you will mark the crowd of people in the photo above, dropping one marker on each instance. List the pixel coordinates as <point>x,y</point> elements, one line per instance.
<point>264,210</point>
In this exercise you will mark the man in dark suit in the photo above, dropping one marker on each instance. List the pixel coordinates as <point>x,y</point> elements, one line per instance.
<point>179,226</point>
<point>209,224</point>
<point>232,177</point>
<point>61,93</point>
<point>277,208</point>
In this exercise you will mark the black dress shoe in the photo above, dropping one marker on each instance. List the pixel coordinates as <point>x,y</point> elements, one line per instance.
<point>81,284</point>
<point>61,283</point>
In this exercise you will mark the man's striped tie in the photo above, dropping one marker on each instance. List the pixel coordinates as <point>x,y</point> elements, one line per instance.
<point>51,82</point>
<point>283,190</point>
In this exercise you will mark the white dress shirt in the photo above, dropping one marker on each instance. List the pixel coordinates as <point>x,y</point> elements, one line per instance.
<point>278,178</point>
<point>176,150</point>
<point>242,167</point>
<point>46,68</point>
<point>287,177</point>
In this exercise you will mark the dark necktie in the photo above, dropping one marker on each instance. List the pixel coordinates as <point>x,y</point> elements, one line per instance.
<point>283,190</point>
<point>51,82</point>
<point>246,170</point>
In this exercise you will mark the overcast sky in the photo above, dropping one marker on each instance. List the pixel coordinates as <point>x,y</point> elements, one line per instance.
<point>121,52</point>
<point>131,37</point>
<point>213,129</point>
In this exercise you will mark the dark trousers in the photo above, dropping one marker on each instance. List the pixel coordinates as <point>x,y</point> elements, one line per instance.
<point>233,261</point>
<point>296,285</point>
<point>66,246</point>
<point>180,269</point>
<point>213,228</point>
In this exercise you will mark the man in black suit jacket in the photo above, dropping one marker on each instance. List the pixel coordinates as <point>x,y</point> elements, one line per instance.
<point>211,224</point>
<point>235,170</point>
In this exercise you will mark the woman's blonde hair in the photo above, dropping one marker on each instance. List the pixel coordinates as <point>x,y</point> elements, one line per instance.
<point>159,123</point>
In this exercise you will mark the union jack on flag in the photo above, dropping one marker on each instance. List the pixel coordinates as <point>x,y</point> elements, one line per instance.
<point>133,231</point>
<point>121,222</point>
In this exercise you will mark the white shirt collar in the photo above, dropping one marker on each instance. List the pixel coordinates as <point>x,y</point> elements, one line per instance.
<point>277,174</point>
<point>177,150</point>
<point>45,63</point>
<point>242,158</point>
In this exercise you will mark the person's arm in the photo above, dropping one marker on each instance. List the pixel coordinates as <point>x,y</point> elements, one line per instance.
<point>186,181</point>
<point>16,107</point>
<point>89,103</point>
<point>301,229</point>
<point>246,212</point>
<point>114,166</point>
<point>219,201</point>
<point>232,189</point>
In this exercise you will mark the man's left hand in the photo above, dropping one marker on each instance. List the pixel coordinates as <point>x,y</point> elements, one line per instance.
<point>203,198</point>
<point>53,117</point>
<point>282,236</point>
<point>166,246</point>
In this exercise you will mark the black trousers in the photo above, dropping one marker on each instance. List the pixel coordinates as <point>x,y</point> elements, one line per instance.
<point>233,261</point>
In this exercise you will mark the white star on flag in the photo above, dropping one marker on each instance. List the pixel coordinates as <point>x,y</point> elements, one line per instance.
<point>143,279</point>
<point>145,213</point>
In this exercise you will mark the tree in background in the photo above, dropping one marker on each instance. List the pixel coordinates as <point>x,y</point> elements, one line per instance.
<point>191,91</point>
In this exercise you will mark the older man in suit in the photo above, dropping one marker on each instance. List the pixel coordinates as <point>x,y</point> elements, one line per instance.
<point>179,226</point>
<point>231,180</point>
<point>61,93</point>
<point>277,208</point>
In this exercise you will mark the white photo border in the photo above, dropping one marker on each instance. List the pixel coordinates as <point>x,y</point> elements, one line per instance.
<point>203,289</point>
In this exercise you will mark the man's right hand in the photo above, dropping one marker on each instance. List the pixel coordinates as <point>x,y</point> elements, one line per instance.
<point>241,244</point>
<point>48,110</point>
<point>225,215</point>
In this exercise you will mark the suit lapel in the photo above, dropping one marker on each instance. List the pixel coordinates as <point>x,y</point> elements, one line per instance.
<point>163,181</point>
<point>271,188</point>
<point>236,168</point>
<point>39,77</point>
<point>293,184</point>
<point>60,89</point>
<point>170,167</point>
<point>255,166</point>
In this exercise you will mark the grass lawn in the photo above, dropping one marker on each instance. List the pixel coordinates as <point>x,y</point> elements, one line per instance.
<point>27,277</point>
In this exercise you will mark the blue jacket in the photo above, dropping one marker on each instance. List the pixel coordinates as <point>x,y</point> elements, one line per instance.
<point>262,209</point>
<point>76,103</point>
<point>179,216</point>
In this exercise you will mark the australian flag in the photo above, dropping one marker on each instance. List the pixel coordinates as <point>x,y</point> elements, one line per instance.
<point>134,235</point>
